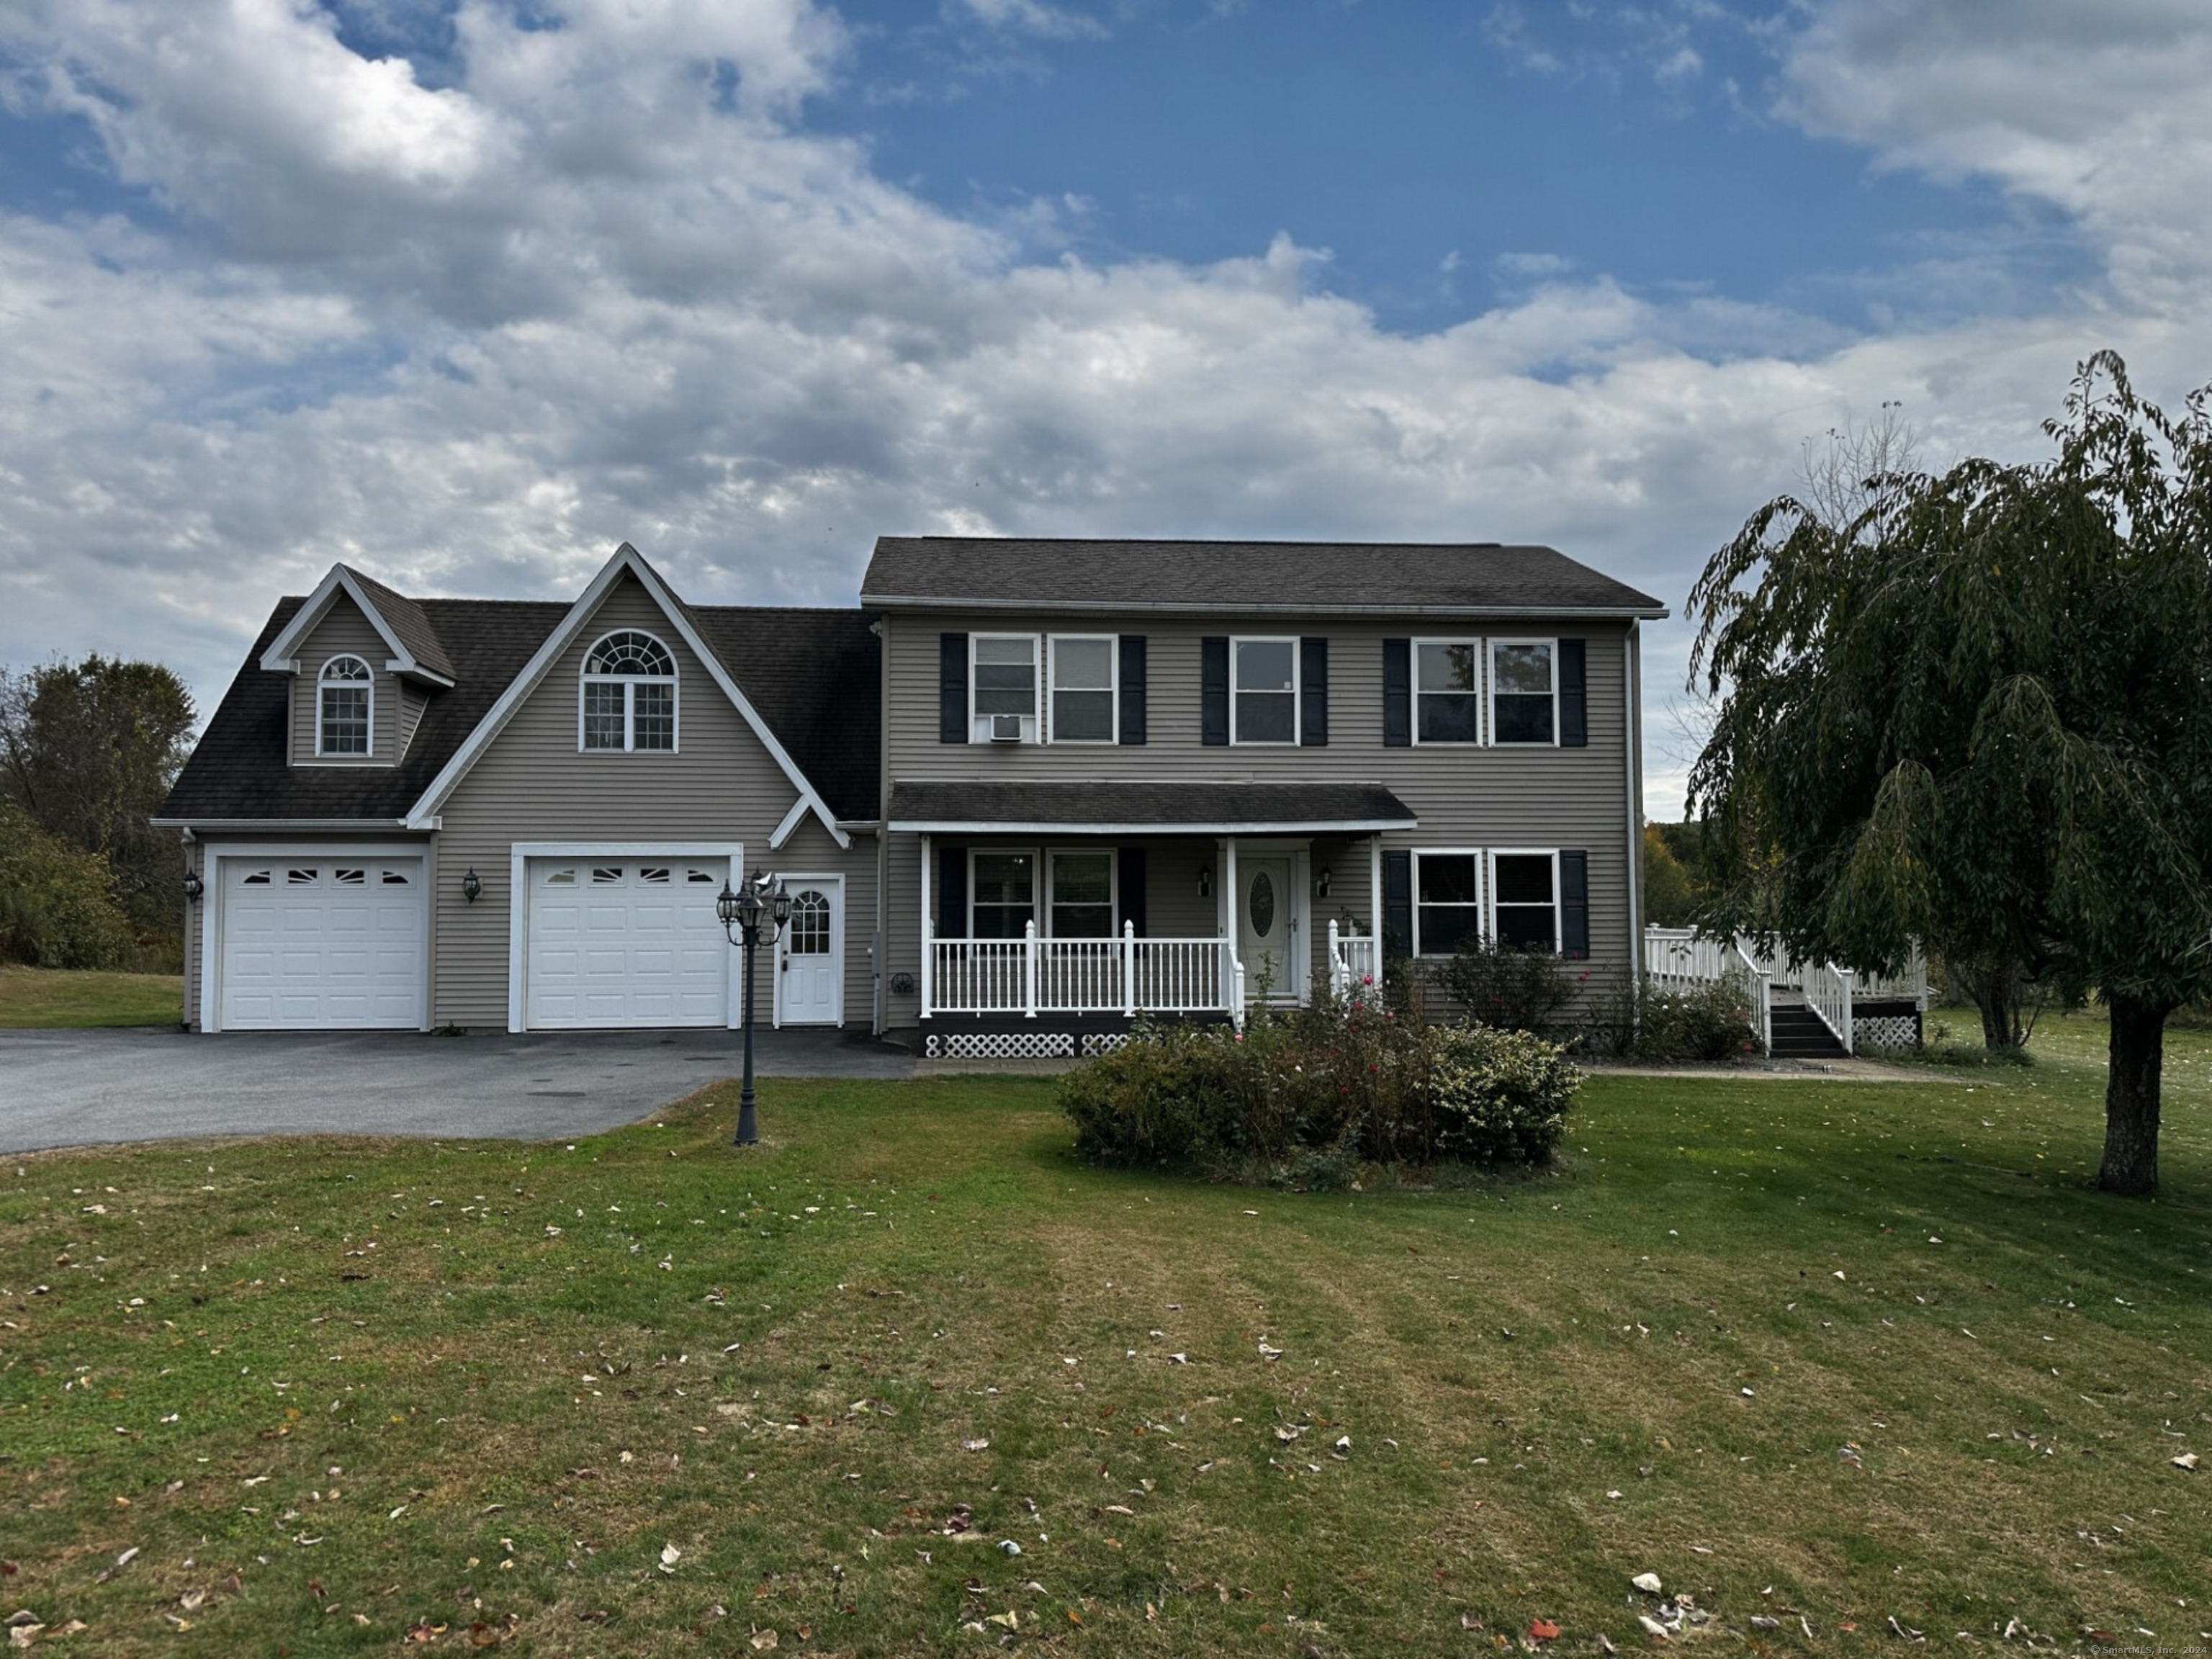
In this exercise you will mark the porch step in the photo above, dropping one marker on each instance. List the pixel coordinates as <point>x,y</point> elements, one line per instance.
<point>1798,1034</point>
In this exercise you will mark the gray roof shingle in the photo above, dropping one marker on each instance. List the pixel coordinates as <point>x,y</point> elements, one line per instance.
<point>405,617</point>
<point>1135,806</point>
<point>1339,577</point>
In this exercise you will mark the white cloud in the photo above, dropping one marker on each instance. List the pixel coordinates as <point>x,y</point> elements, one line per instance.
<point>600,283</point>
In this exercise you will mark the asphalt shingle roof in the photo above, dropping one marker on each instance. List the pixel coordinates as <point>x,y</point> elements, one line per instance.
<point>812,675</point>
<point>1344,577</point>
<point>1139,805</point>
<point>405,617</point>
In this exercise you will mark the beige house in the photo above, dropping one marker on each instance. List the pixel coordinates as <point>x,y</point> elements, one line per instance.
<point>1026,792</point>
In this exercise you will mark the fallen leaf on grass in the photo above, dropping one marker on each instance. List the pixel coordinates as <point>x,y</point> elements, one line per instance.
<point>2186,1460</point>
<point>764,1641</point>
<point>1543,1630</point>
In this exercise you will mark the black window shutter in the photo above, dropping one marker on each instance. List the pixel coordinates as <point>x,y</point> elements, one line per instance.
<point>1574,904</point>
<point>1213,690</point>
<point>1132,886</point>
<point>1397,903</point>
<point>1133,691</point>
<point>953,688</point>
<point>1574,696</point>
<point>952,893</point>
<point>1312,693</point>
<point>1397,694</point>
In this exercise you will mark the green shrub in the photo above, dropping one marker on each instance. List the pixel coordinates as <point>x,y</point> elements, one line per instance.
<point>1502,985</point>
<point>1499,1096</point>
<point>1708,1023</point>
<point>57,905</point>
<point>1307,1095</point>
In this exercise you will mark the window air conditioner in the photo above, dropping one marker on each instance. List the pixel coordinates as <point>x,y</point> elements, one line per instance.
<point>1005,728</point>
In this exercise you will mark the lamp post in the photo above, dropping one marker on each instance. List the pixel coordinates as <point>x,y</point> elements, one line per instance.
<point>751,916</point>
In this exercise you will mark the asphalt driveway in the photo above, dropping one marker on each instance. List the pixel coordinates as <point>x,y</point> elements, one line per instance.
<point>86,1088</point>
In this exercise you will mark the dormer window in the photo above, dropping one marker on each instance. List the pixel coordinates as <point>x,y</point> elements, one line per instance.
<point>344,696</point>
<point>629,702</point>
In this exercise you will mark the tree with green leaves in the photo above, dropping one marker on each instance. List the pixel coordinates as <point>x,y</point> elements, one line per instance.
<point>88,751</point>
<point>1980,713</point>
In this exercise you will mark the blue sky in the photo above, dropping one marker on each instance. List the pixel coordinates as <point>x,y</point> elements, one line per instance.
<point>466,293</point>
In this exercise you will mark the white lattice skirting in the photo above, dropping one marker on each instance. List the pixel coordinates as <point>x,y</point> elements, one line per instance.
<point>1885,1033</point>
<point>999,1045</point>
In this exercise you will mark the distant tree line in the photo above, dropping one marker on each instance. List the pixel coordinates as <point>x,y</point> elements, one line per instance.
<point>87,753</point>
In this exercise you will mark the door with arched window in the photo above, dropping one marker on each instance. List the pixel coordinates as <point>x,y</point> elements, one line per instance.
<point>810,957</point>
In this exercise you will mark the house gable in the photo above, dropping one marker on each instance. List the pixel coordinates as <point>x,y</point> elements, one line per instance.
<point>410,644</point>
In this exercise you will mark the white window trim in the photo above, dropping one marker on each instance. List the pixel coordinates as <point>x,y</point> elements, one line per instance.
<point>1489,885</point>
<point>368,685</point>
<point>1039,912</point>
<point>1481,693</point>
<point>795,883</point>
<point>1490,737</point>
<point>1038,695</point>
<point>630,683</point>
<point>1482,888</point>
<point>520,853</point>
<point>1112,644</point>
<point>1113,891</point>
<point>1297,690</point>
<point>213,853</point>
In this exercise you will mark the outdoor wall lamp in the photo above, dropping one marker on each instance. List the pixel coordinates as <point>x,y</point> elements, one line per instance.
<point>471,885</point>
<point>1321,883</point>
<point>1206,881</point>
<point>752,915</point>
<point>194,886</point>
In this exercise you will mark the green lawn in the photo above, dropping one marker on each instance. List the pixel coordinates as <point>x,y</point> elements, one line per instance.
<point>651,1396</point>
<point>58,996</point>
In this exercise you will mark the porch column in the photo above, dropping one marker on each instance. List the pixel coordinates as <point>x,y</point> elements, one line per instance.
<point>1229,997</point>
<point>1375,898</point>
<point>1129,970</point>
<point>928,939</point>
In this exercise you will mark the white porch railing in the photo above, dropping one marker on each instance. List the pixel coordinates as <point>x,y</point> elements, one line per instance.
<point>1128,976</point>
<point>1828,994</point>
<point>1354,972</point>
<point>1676,960</point>
<point>1751,983</point>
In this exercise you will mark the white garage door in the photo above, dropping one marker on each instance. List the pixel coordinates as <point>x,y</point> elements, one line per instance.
<point>627,942</point>
<point>321,943</point>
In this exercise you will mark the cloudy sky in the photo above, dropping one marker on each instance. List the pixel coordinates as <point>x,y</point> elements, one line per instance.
<point>467,293</point>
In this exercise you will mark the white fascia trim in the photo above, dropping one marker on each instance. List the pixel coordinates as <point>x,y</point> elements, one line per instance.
<point>626,558</point>
<point>789,824</point>
<point>518,906</point>
<point>282,656</point>
<point>290,826</point>
<point>1141,607</point>
<point>1303,827</point>
<point>214,851</point>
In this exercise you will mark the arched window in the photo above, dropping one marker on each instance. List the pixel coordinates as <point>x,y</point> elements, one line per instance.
<point>344,694</point>
<point>628,695</point>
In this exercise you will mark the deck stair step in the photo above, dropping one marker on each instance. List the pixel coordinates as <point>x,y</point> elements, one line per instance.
<point>1799,1034</point>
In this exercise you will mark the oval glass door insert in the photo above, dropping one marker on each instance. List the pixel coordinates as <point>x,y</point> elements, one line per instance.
<point>1263,905</point>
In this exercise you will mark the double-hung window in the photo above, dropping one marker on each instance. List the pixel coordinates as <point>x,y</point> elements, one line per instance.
<point>344,692</point>
<point>1083,895</point>
<point>1003,892</point>
<point>1524,900</point>
<point>1263,690</point>
<point>1524,691</point>
<point>1083,687</point>
<point>1003,706</point>
<point>628,695</point>
<point>1448,901</point>
<point>1447,691</point>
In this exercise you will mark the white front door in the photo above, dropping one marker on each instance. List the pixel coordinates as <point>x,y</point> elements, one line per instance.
<point>313,944</point>
<point>626,942</point>
<point>1266,929</point>
<point>808,959</point>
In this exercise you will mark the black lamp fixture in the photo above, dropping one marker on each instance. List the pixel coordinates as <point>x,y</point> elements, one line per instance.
<point>194,886</point>
<point>1206,881</point>
<point>1321,883</point>
<point>471,885</point>
<point>752,915</point>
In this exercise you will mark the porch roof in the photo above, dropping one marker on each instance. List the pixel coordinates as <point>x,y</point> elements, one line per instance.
<point>1138,806</point>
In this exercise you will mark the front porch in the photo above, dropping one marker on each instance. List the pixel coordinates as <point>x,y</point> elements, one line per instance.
<point>1046,930</point>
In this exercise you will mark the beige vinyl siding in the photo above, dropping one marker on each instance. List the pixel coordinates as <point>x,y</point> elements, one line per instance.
<point>345,630</point>
<point>1464,797</point>
<point>413,700</point>
<point>533,784</point>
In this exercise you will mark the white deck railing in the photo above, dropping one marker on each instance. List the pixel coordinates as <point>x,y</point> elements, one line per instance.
<point>1828,994</point>
<point>1354,972</point>
<point>1676,959</point>
<point>1739,969</point>
<point>1128,976</point>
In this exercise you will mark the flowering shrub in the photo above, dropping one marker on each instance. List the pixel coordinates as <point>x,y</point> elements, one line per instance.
<point>1316,1091</point>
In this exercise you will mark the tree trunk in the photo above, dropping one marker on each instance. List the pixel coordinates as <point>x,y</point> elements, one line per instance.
<point>2131,1086</point>
<point>1996,993</point>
